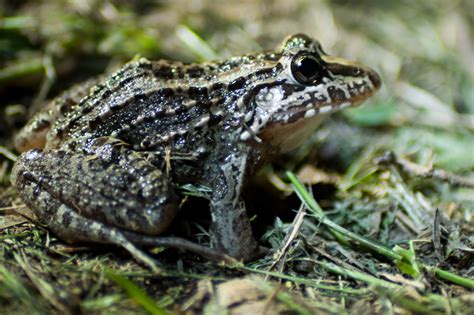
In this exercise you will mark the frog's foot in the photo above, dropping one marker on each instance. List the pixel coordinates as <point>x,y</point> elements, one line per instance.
<point>77,228</point>
<point>231,232</point>
<point>95,231</point>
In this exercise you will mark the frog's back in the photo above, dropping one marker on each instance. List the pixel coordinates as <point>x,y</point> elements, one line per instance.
<point>33,134</point>
<point>134,103</point>
<point>82,103</point>
<point>150,104</point>
<point>107,106</point>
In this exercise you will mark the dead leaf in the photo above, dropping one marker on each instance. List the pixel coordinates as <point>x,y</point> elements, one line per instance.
<point>244,296</point>
<point>10,220</point>
<point>309,174</point>
<point>238,296</point>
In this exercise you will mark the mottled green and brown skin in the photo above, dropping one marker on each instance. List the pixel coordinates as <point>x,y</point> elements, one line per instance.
<point>104,169</point>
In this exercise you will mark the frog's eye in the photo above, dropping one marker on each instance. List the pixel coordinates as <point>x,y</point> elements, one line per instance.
<point>306,68</point>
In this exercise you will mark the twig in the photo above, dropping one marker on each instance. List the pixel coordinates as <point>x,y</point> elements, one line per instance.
<point>295,228</point>
<point>436,236</point>
<point>423,171</point>
<point>6,153</point>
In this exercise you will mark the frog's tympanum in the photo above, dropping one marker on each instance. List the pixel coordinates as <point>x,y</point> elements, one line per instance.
<point>102,162</point>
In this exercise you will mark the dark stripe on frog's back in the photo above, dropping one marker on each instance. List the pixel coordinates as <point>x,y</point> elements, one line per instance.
<point>155,113</point>
<point>166,70</point>
<point>100,93</point>
<point>138,81</point>
<point>90,105</point>
<point>142,97</point>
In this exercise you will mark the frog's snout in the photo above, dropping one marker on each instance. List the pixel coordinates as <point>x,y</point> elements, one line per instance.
<point>374,77</point>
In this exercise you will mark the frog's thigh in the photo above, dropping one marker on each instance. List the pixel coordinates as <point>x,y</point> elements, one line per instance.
<point>122,190</point>
<point>73,227</point>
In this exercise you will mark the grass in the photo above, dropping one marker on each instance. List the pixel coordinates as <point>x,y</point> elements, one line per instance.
<point>375,232</point>
<point>405,259</point>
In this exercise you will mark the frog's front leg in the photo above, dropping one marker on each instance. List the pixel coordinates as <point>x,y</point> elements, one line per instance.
<point>96,197</point>
<point>231,231</point>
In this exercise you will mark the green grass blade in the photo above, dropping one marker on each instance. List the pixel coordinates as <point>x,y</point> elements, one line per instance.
<point>21,69</point>
<point>318,212</point>
<point>451,277</point>
<point>357,275</point>
<point>195,43</point>
<point>136,294</point>
<point>306,281</point>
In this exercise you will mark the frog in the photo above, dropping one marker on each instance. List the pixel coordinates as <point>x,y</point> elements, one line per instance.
<point>102,163</point>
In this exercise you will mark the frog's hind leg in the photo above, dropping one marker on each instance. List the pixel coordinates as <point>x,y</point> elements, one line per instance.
<point>114,196</point>
<point>76,227</point>
<point>94,198</point>
<point>114,185</point>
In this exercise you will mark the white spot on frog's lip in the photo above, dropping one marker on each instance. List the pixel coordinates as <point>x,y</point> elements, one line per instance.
<point>244,136</point>
<point>310,113</point>
<point>248,116</point>
<point>326,109</point>
<point>344,105</point>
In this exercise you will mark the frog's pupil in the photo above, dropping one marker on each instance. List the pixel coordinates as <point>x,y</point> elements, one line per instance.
<point>306,69</point>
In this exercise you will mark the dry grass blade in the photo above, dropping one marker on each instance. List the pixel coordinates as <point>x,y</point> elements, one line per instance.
<point>417,170</point>
<point>292,234</point>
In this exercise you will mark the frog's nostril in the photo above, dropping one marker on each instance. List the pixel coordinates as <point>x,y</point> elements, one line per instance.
<point>375,78</point>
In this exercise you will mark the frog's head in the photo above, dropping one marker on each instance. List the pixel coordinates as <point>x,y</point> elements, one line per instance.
<point>307,85</point>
